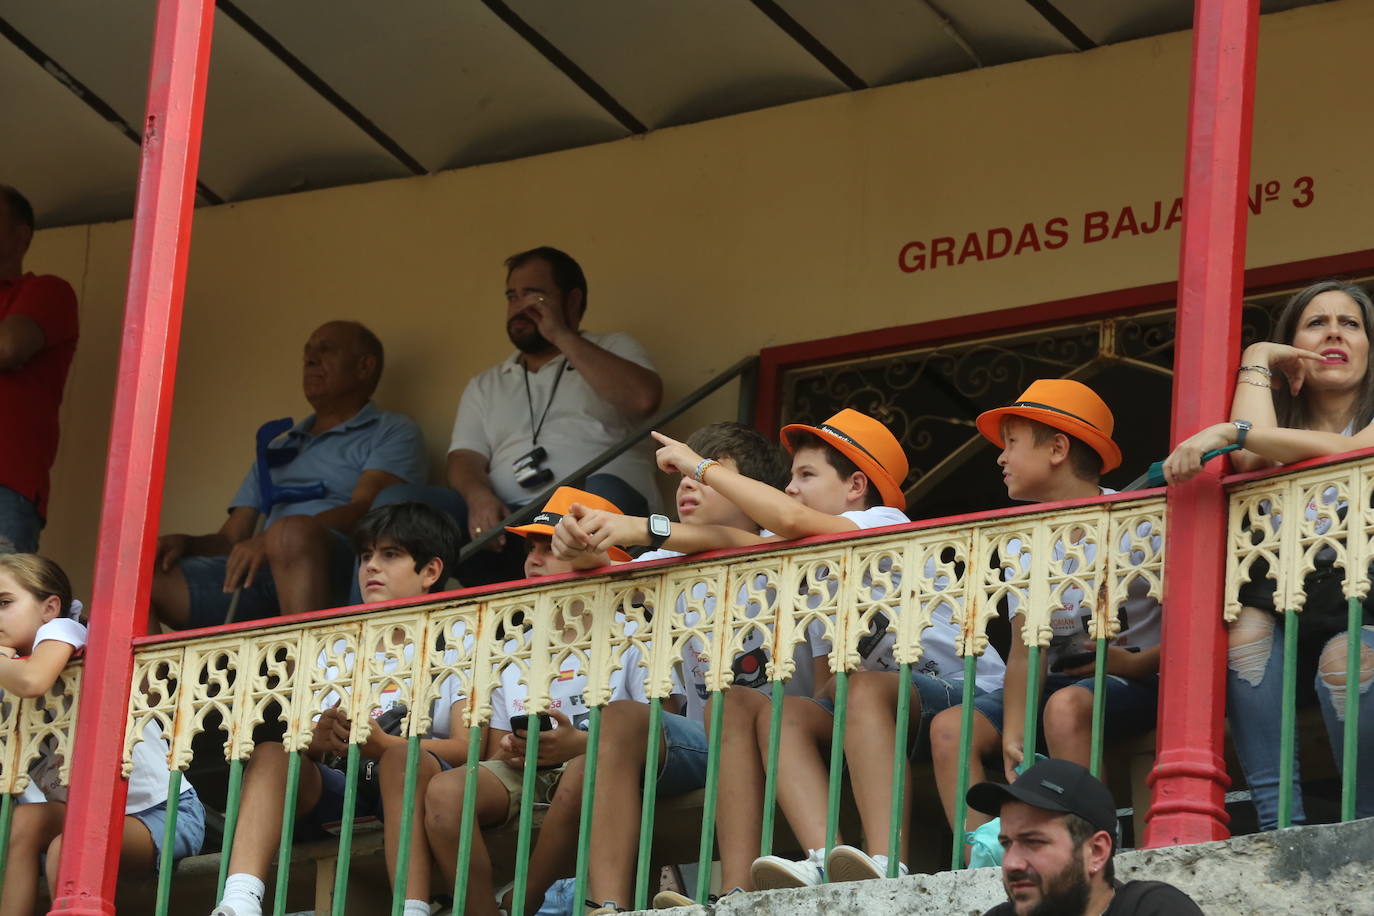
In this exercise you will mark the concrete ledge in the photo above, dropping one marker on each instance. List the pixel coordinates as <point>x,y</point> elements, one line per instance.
<point>1327,869</point>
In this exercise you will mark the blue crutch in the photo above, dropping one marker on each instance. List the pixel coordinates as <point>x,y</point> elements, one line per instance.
<point>269,494</point>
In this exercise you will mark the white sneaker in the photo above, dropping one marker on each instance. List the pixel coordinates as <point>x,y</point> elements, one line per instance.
<point>770,872</point>
<point>846,863</point>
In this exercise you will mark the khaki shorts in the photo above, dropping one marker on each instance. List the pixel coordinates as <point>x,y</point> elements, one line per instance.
<point>513,778</point>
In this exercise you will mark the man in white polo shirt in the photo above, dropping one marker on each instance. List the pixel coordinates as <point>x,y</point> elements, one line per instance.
<point>563,397</point>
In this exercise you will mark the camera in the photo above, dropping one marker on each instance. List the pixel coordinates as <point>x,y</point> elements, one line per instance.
<point>528,472</point>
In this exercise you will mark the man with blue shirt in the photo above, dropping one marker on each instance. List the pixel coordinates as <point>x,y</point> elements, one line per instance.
<point>301,560</point>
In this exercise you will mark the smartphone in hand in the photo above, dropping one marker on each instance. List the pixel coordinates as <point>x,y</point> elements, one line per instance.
<point>1075,660</point>
<point>520,725</point>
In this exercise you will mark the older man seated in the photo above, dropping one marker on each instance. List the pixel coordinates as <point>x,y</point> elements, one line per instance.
<point>302,559</point>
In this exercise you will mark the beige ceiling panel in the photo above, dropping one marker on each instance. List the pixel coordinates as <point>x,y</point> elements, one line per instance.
<point>673,62</point>
<point>72,165</point>
<point>448,81</point>
<point>267,132</point>
<point>1002,31</point>
<point>883,41</point>
<point>1109,23</point>
<point>107,46</point>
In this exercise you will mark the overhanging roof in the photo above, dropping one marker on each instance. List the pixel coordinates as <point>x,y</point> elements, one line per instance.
<point>314,93</point>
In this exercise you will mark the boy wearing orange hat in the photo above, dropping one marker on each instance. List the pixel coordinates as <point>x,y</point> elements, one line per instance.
<point>562,743</point>
<point>624,726</point>
<point>1056,443</point>
<point>846,475</point>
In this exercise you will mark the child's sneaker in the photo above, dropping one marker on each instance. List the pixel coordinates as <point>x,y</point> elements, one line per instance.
<point>666,900</point>
<point>845,863</point>
<point>770,872</point>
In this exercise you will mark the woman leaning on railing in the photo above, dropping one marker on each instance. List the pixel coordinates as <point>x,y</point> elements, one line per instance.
<point>1308,394</point>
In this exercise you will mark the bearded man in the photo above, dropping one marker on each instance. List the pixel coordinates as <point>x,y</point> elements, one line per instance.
<point>562,398</point>
<point>1058,837</point>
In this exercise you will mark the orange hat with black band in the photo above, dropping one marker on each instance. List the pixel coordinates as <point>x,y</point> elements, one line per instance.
<point>1070,407</point>
<point>867,443</point>
<point>558,505</point>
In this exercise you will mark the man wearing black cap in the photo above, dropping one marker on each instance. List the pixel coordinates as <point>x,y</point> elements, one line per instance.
<point>1059,835</point>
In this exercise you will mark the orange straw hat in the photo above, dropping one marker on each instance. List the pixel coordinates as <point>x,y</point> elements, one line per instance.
<point>558,505</point>
<point>1070,407</point>
<point>867,443</point>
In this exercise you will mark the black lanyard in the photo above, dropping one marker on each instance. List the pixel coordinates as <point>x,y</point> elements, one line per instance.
<point>529,397</point>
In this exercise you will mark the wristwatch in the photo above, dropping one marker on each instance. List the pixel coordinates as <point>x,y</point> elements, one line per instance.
<point>659,529</point>
<point>1243,428</point>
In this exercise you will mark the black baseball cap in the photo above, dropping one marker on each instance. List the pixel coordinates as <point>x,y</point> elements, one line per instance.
<point>1054,785</point>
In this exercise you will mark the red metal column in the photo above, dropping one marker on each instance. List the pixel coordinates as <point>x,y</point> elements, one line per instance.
<point>1190,778</point>
<point>138,451</point>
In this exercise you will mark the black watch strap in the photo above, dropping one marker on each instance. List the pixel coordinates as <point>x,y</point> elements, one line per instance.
<point>656,540</point>
<point>1243,428</point>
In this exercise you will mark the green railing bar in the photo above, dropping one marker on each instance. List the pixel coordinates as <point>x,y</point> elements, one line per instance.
<point>708,807</point>
<point>469,816</point>
<point>899,765</point>
<point>832,814</point>
<point>1351,742</point>
<point>288,830</point>
<point>965,751</point>
<point>770,776</point>
<point>646,812</point>
<point>398,893</point>
<point>1288,719</point>
<point>6,818</point>
<point>350,804</point>
<point>169,837</point>
<point>231,823</point>
<point>584,826</point>
<point>1028,743</point>
<point>1099,708</point>
<point>523,842</point>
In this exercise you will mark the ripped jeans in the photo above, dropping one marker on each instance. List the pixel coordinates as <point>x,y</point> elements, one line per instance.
<point>1254,703</point>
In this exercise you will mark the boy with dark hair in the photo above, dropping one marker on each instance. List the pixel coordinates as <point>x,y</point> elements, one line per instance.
<point>1056,442</point>
<point>558,786</point>
<point>411,529</point>
<point>403,552</point>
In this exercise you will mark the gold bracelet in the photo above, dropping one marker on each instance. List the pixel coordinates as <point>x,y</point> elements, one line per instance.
<point>1246,381</point>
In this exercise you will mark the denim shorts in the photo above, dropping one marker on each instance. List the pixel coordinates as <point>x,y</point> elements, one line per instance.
<point>317,823</point>
<point>19,523</point>
<point>210,602</point>
<point>190,826</point>
<point>936,694</point>
<point>1131,704</point>
<point>684,765</point>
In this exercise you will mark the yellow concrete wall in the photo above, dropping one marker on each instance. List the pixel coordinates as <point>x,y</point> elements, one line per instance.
<point>710,241</point>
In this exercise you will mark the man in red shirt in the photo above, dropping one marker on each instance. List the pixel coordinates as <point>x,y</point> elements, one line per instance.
<point>38,330</point>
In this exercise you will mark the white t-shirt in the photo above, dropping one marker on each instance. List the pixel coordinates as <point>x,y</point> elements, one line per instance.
<point>441,712</point>
<point>1071,620</point>
<point>494,421</point>
<point>938,658</point>
<point>566,693</point>
<point>147,781</point>
<point>750,667</point>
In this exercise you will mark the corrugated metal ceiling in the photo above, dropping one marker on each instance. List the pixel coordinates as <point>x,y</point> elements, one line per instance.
<point>315,93</point>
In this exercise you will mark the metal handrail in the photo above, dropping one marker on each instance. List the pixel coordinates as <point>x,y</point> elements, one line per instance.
<point>745,367</point>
